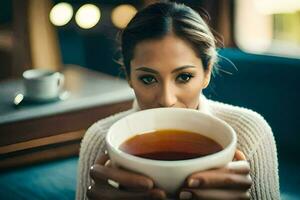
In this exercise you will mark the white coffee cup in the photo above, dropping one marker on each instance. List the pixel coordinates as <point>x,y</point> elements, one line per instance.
<point>170,175</point>
<point>42,84</point>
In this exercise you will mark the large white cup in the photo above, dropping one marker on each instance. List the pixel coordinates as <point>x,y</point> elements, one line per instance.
<point>170,175</point>
<point>42,84</point>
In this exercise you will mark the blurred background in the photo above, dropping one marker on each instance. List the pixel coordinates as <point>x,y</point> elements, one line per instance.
<point>45,33</point>
<point>259,65</point>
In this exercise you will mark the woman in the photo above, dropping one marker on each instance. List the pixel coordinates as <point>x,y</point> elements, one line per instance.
<point>168,54</point>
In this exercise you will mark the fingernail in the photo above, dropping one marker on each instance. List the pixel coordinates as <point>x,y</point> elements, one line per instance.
<point>90,187</point>
<point>159,195</point>
<point>194,183</point>
<point>248,195</point>
<point>113,183</point>
<point>92,167</point>
<point>147,185</point>
<point>185,195</point>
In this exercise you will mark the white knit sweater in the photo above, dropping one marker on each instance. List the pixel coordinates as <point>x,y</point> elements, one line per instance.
<point>255,139</point>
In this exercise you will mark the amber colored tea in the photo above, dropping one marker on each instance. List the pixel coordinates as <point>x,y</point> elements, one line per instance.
<point>170,145</point>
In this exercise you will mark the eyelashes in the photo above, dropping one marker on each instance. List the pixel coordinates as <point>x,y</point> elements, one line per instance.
<point>147,79</point>
<point>182,78</point>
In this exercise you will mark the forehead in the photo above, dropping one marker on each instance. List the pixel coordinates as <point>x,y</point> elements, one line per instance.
<point>168,52</point>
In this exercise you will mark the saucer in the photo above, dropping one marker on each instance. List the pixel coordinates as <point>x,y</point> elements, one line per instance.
<point>21,99</point>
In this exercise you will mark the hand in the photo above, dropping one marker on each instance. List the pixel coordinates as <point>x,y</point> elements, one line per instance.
<point>134,186</point>
<point>230,182</point>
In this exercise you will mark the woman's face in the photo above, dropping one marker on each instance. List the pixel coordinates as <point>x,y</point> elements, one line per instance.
<point>167,73</point>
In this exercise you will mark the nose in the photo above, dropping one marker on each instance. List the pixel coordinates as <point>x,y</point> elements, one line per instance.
<point>167,97</point>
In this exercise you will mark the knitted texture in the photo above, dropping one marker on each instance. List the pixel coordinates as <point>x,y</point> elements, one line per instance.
<point>255,139</point>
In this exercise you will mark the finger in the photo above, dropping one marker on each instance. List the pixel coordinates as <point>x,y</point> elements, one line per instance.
<point>102,158</point>
<point>210,194</point>
<point>131,180</point>
<point>217,179</point>
<point>110,193</point>
<point>236,167</point>
<point>239,155</point>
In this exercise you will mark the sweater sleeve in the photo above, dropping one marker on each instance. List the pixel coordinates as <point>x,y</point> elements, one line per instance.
<point>264,166</point>
<point>256,140</point>
<point>92,144</point>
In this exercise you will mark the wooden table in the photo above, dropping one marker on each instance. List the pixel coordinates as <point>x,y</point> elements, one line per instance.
<point>39,132</point>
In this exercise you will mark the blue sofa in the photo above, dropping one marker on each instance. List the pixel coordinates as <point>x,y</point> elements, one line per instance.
<point>266,84</point>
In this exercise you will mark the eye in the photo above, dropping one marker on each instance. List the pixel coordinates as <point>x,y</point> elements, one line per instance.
<point>184,77</point>
<point>147,79</point>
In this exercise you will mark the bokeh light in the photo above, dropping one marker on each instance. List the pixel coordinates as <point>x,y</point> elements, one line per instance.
<point>61,14</point>
<point>87,16</point>
<point>122,14</point>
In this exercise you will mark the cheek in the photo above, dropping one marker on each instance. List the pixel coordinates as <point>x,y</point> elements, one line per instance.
<point>189,96</point>
<point>144,96</point>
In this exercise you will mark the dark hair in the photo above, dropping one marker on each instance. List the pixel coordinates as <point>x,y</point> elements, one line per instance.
<point>157,20</point>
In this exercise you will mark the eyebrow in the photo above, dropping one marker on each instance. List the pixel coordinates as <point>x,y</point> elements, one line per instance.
<point>150,70</point>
